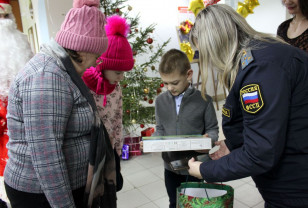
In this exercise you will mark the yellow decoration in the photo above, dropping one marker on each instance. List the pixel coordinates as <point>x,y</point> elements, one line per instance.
<point>186,48</point>
<point>146,90</point>
<point>196,6</point>
<point>145,69</point>
<point>133,121</point>
<point>252,3</point>
<point>246,8</point>
<point>186,26</point>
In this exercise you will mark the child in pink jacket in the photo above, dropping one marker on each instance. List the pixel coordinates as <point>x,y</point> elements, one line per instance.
<point>103,80</point>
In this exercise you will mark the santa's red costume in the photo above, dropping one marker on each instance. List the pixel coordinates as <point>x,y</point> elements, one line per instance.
<point>15,52</point>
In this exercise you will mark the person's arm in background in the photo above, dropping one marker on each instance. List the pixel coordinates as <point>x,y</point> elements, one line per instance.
<point>47,105</point>
<point>118,126</point>
<point>159,130</point>
<point>210,121</point>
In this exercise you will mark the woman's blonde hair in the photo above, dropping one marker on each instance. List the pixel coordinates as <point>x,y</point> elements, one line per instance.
<point>221,35</point>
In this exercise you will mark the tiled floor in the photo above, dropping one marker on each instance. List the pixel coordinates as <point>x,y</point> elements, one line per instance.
<point>144,183</point>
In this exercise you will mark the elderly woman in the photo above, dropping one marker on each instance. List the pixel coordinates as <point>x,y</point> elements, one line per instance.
<point>51,114</point>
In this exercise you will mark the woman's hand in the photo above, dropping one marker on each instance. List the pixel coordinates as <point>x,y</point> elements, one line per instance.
<point>194,168</point>
<point>223,150</point>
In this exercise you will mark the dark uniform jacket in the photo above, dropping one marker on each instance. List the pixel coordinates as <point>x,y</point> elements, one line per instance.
<point>265,121</point>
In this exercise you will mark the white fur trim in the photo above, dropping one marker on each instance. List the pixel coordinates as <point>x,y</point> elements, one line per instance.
<point>3,196</point>
<point>15,52</point>
<point>7,8</point>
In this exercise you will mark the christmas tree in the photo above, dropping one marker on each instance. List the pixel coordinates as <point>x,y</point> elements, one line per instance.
<point>138,89</point>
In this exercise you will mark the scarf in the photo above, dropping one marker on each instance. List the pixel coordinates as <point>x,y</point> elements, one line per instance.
<point>93,78</point>
<point>100,187</point>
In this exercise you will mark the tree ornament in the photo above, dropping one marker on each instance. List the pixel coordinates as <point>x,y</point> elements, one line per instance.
<point>151,47</point>
<point>145,69</point>
<point>125,85</point>
<point>136,30</point>
<point>151,101</point>
<point>153,68</point>
<point>130,8</point>
<point>137,38</point>
<point>146,90</point>
<point>145,98</point>
<point>133,121</point>
<point>128,111</point>
<point>158,90</point>
<point>149,40</point>
<point>117,10</point>
<point>134,53</point>
<point>162,85</point>
<point>142,126</point>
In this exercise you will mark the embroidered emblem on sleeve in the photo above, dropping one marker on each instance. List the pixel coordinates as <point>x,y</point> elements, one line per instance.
<point>226,112</point>
<point>246,59</point>
<point>251,98</point>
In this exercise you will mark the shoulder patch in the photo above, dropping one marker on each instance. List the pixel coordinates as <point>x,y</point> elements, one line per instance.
<point>251,98</point>
<point>246,59</point>
<point>226,112</point>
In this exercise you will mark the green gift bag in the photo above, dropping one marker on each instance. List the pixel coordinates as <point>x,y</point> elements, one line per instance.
<point>199,195</point>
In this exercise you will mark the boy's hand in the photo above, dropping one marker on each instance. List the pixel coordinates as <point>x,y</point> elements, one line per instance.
<point>203,151</point>
<point>223,150</point>
<point>194,168</point>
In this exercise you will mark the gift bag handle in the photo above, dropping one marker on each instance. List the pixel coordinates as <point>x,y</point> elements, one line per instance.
<point>187,185</point>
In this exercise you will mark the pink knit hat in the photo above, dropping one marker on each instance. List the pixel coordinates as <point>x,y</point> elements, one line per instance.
<point>119,54</point>
<point>118,57</point>
<point>83,28</point>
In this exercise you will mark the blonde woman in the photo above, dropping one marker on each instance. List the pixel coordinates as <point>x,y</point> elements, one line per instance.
<point>265,117</point>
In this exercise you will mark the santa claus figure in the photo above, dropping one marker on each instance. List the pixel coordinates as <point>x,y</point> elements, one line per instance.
<point>15,52</point>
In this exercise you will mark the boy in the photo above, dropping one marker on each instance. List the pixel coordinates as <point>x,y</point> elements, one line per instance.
<point>181,111</point>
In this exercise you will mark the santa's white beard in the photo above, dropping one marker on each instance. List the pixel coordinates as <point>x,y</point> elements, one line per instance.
<point>15,52</point>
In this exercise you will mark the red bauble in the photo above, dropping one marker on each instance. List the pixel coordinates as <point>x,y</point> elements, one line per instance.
<point>136,30</point>
<point>145,98</point>
<point>141,125</point>
<point>128,111</point>
<point>125,85</point>
<point>149,40</point>
<point>150,101</point>
<point>134,53</point>
<point>158,90</point>
<point>117,10</point>
<point>162,85</point>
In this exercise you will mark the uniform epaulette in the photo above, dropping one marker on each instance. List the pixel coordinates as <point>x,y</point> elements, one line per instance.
<point>246,59</point>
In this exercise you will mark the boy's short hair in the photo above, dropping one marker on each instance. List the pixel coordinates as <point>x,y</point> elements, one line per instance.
<point>174,60</point>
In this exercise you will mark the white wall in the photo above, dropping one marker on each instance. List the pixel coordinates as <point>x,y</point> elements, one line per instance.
<point>266,18</point>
